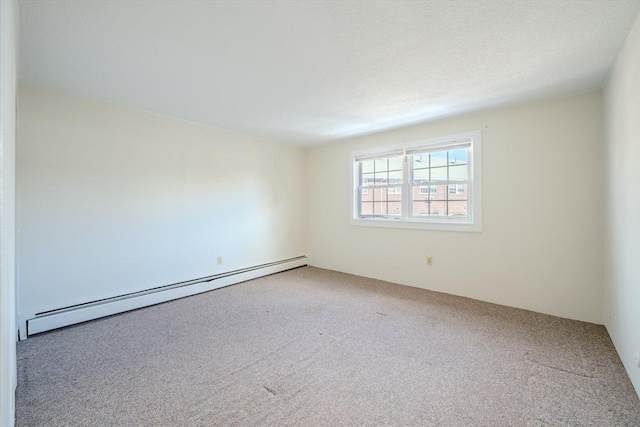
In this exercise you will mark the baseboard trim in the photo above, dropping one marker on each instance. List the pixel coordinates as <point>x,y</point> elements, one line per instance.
<point>54,319</point>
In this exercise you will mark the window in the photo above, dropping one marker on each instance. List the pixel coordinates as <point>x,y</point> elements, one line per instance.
<point>428,189</point>
<point>456,189</point>
<point>433,184</point>
<point>381,187</point>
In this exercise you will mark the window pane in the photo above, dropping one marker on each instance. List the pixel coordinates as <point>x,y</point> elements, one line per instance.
<point>376,209</point>
<point>380,165</point>
<point>438,208</point>
<point>367,166</point>
<point>380,208</point>
<point>458,209</point>
<point>366,195</point>
<point>421,192</point>
<point>366,209</point>
<point>458,173</point>
<point>381,178</point>
<point>379,194</point>
<point>420,176</point>
<point>394,194</point>
<point>367,179</point>
<point>439,174</point>
<point>440,193</point>
<point>420,160</point>
<point>458,192</point>
<point>420,208</point>
<point>395,163</point>
<point>459,156</point>
<point>438,158</point>
<point>394,208</point>
<point>395,177</point>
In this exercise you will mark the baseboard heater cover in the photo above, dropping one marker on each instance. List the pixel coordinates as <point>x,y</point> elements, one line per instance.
<point>67,316</point>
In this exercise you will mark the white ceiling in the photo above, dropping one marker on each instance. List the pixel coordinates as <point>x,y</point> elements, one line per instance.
<point>306,72</point>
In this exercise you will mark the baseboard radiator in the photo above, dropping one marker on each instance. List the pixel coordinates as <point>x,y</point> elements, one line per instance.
<point>59,318</point>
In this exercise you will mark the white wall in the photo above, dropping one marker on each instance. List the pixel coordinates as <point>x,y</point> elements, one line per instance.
<point>622,205</point>
<point>541,244</point>
<point>8,55</point>
<point>113,200</point>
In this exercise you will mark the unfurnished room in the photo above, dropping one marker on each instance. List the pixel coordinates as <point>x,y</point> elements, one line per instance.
<point>320,213</point>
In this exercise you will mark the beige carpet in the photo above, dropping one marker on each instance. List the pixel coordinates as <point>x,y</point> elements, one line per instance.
<point>312,347</point>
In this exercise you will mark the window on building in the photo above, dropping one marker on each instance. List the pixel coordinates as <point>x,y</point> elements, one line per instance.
<point>431,184</point>
<point>456,189</point>
<point>428,189</point>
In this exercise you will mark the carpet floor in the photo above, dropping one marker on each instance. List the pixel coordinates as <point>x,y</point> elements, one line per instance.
<point>312,347</point>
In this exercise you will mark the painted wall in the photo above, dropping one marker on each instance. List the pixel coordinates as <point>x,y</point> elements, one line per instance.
<point>8,60</point>
<point>113,200</point>
<point>622,205</point>
<point>541,243</point>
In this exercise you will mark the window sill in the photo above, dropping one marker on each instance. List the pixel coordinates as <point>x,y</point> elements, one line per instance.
<point>417,224</point>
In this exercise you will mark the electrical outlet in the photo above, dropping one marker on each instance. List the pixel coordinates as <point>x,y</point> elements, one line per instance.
<point>219,260</point>
<point>429,260</point>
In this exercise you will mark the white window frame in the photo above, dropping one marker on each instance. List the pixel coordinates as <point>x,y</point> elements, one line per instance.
<point>472,223</point>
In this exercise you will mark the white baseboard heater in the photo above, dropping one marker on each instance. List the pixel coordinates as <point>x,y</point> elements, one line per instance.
<point>59,318</point>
